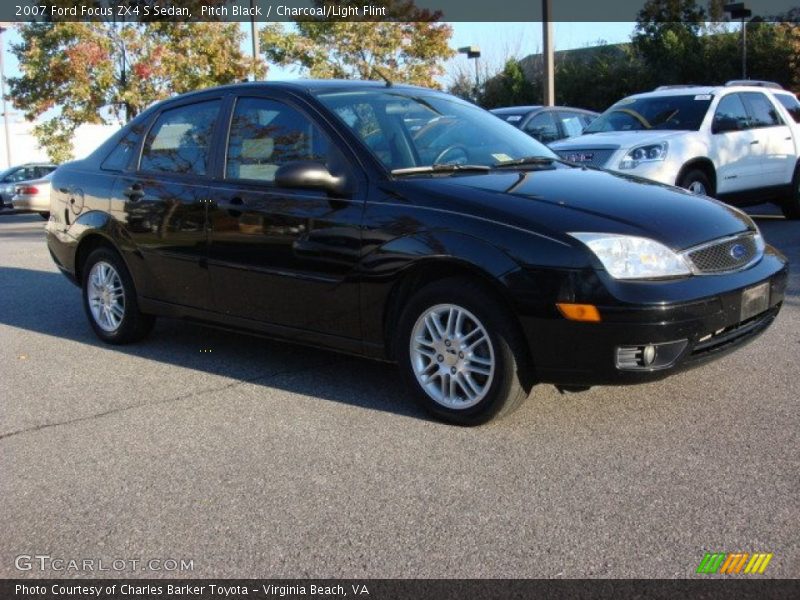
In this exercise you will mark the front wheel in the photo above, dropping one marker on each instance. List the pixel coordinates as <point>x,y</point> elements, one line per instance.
<point>109,299</point>
<point>461,354</point>
<point>696,182</point>
<point>791,205</point>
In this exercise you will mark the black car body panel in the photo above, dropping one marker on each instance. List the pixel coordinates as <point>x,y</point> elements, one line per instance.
<point>334,269</point>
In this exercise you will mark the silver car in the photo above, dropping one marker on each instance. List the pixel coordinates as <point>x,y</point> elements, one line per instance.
<point>33,196</point>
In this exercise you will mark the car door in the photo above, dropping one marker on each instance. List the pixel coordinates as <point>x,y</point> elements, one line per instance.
<point>735,145</point>
<point>163,202</point>
<point>284,256</point>
<point>543,127</point>
<point>775,141</point>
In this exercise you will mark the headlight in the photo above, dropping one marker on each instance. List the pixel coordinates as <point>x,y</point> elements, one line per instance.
<point>631,257</point>
<point>649,153</point>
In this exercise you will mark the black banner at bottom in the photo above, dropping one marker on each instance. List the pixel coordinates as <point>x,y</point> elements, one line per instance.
<point>389,589</point>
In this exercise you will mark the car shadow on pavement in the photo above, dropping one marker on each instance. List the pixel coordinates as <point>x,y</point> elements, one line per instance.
<point>46,303</point>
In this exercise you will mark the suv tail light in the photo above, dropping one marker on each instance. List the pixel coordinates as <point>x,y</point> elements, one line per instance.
<point>28,190</point>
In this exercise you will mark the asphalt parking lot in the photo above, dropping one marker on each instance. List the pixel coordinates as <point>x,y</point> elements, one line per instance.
<point>259,459</point>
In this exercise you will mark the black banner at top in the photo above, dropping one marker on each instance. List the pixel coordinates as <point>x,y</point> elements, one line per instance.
<point>357,10</point>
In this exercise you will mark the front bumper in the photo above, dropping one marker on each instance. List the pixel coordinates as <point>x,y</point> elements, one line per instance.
<point>567,352</point>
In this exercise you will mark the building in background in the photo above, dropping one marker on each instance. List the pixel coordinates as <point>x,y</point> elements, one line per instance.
<point>25,147</point>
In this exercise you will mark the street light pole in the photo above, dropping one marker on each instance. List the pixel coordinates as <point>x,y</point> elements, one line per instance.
<point>738,10</point>
<point>548,76</point>
<point>473,52</point>
<point>3,94</point>
<point>253,40</point>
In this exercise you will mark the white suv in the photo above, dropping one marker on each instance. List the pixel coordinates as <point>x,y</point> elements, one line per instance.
<point>738,143</point>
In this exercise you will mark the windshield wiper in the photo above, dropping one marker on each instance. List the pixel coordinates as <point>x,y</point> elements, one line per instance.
<point>527,160</point>
<point>441,168</point>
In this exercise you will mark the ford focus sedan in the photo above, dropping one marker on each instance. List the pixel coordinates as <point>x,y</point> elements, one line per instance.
<point>309,212</point>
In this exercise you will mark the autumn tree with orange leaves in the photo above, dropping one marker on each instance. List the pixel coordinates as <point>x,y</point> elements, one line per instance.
<point>76,73</point>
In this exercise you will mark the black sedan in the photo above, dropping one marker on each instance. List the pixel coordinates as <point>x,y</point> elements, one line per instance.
<point>305,211</point>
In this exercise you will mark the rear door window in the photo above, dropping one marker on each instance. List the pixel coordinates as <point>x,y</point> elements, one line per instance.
<point>763,113</point>
<point>180,140</point>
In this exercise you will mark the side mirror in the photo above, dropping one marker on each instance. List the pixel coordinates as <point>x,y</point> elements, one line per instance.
<point>310,175</point>
<point>724,125</point>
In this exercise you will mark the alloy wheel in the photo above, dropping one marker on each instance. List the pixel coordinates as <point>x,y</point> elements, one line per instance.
<point>106,296</point>
<point>452,356</point>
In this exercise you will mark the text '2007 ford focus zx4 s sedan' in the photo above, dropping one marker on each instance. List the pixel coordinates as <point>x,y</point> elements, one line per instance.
<point>404,224</point>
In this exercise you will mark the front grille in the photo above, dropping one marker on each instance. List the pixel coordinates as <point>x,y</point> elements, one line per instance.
<point>589,157</point>
<point>726,255</point>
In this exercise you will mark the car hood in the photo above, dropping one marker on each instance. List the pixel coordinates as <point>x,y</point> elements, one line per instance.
<point>616,139</point>
<point>556,201</point>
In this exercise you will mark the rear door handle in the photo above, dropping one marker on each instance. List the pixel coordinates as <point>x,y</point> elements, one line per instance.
<point>754,142</point>
<point>134,193</point>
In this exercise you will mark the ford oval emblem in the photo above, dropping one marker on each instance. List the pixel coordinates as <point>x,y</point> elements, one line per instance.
<point>738,251</point>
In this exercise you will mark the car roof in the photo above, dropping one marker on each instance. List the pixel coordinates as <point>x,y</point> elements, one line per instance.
<point>510,110</point>
<point>312,86</point>
<point>688,90</point>
<point>514,110</point>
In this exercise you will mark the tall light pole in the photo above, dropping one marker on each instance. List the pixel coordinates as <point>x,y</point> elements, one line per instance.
<point>253,40</point>
<point>548,76</point>
<point>3,29</point>
<point>739,11</point>
<point>473,52</point>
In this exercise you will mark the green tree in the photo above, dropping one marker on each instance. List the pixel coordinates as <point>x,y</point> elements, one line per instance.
<point>510,88</point>
<point>411,51</point>
<point>668,39</point>
<point>76,73</point>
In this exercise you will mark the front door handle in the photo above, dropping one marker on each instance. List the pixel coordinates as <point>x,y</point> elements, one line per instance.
<point>134,193</point>
<point>754,142</point>
<point>233,206</point>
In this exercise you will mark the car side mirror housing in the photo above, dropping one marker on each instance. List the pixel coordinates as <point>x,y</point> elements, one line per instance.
<point>310,175</point>
<point>724,125</point>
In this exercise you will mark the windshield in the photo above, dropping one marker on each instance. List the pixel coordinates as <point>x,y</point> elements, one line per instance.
<point>654,112</point>
<point>409,129</point>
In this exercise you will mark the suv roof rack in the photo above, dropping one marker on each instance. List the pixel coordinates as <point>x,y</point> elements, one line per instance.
<point>679,86</point>
<point>754,83</point>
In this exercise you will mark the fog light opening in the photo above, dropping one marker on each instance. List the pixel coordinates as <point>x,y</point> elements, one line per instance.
<point>648,355</point>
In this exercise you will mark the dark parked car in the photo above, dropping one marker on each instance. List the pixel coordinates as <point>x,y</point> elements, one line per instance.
<point>547,123</point>
<point>304,211</point>
<point>10,178</point>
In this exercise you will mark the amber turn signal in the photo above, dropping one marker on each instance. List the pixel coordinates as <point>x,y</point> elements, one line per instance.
<point>579,312</point>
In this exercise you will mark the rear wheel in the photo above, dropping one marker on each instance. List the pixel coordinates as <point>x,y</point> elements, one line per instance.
<point>109,299</point>
<point>791,205</point>
<point>461,354</point>
<point>697,182</point>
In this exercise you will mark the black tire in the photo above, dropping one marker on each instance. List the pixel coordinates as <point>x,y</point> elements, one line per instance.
<point>134,325</point>
<point>512,379</point>
<point>44,215</point>
<point>791,205</point>
<point>694,177</point>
